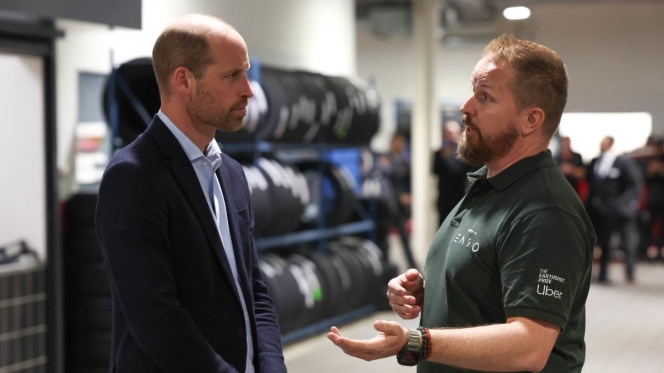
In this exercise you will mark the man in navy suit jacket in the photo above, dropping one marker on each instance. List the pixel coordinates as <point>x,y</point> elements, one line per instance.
<point>175,224</point>
<point>614,188</point>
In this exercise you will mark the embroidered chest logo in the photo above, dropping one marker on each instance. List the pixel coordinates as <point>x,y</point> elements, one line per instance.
<point>468,240</point>
<point>545,278</point>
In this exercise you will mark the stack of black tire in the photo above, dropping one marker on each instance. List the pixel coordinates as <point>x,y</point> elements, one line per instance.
<point>286,198</point>
<point>87,290</point>
<point>307,286</point>
<point>288,107</point>
<point>304,107</point>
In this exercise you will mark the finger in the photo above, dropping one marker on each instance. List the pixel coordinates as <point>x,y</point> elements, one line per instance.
<point>406,309</point>
<point>406,283</point>
<point>355,348</point>
<point>397,300</point>
<point>395,286</point>
<point>335,330</point>
<point>407,312</point>
<point>335,338</point>
<point>409,316</point>
<point>387,327</point>
<point>412,275</point>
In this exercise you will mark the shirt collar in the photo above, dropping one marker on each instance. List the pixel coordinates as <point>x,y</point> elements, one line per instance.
<point>213,152</point>
<point>514,172</point>
<point>608,155</point>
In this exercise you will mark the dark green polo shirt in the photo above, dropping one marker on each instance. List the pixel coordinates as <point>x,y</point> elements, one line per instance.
<point>518,244</point>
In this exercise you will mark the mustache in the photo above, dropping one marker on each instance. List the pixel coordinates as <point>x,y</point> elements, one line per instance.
<point>241,104</point>
<point>467,121</point>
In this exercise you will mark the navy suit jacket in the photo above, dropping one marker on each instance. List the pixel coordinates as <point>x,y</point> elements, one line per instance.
<point>175,304</point>
<point>617,194</point>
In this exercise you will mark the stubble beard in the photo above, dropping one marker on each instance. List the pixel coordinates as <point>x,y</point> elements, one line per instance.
<point>203,109</point>
<point>483,149</point>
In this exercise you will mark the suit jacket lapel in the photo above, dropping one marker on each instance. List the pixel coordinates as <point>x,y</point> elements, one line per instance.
<point>186,176</point>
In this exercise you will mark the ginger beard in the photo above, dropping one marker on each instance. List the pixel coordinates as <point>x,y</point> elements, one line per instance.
<point>481,149</point>
<point>203,108</point>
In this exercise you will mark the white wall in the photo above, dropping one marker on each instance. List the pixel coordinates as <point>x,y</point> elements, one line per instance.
<point>23,169</point>
<point>613,52</point>
<point>390,64</point>
<point>314,35</point>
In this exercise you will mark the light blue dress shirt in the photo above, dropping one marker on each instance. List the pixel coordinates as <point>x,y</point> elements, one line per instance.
<point>205,166</point>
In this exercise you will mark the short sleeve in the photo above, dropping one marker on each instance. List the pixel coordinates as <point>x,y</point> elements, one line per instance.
<point>543,257</point>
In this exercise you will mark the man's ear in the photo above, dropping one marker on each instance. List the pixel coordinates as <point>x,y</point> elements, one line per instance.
<point>534,117</point>
<point>182,81</point>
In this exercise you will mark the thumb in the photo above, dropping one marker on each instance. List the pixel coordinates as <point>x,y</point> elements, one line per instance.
<point>412,275</point>
<point>388,327</point>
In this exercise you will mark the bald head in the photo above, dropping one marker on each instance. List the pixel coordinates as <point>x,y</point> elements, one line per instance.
<point>186,43</point>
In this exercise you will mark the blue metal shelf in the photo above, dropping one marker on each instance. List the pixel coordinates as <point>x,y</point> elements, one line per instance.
<point>313,235</point>
<point>325,324</point>
<point>266,146</point>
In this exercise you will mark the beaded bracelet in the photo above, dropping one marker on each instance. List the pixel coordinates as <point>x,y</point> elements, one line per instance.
<point>426,356</point>
<point>426,342</point>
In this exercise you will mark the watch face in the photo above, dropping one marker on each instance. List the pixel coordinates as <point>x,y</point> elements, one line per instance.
<point>408,357</point>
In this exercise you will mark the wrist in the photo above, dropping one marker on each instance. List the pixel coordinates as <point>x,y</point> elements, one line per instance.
<point>426,338</point>
<point>416,348</point>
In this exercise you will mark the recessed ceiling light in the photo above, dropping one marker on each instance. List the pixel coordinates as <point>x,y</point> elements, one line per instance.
<point>516,12</point>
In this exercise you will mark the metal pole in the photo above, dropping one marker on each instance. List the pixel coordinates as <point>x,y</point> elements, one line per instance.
<point>426,115</point>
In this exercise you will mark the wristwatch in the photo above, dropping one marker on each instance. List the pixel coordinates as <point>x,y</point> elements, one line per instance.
<point>411,353</point>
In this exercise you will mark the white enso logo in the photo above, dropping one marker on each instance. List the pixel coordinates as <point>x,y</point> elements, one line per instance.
<point>462,240</point>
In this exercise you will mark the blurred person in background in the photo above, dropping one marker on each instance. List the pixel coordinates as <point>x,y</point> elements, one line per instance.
<point>386,186</point>
<point>508,274</point>
<point>571,163</point>
<point>653,213</point>
<point>614,189</point>
<point>395,167</point>
<point>451,172</point>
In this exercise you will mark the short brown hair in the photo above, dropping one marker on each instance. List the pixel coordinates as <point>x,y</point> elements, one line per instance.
<point>540,78</point>
<point>179,46</point>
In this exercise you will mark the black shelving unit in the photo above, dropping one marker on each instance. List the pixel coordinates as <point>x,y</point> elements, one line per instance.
<point>321,234</point>
<point>312,235</point>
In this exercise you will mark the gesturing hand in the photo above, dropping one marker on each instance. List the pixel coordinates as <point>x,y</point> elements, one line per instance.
<point>391,337</point>
<point>406,294</point>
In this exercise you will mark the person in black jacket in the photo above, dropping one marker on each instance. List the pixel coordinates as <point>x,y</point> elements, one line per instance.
<point>614,188</point>
<point>451,172</point>
<point>571,163</point>
<point>175,223</point>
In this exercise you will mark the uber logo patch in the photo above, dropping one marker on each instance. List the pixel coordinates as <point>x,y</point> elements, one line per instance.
<point>546,291</point>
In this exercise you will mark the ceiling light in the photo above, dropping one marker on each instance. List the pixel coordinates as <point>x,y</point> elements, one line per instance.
<point>516,12</point>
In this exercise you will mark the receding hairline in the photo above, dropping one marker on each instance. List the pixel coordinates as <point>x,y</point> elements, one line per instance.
<point>201,24</point>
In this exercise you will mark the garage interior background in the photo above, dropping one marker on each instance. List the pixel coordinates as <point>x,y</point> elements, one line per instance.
<point>613,51</point>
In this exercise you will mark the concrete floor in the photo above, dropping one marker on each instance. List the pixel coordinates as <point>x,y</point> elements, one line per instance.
<point>625,332</point>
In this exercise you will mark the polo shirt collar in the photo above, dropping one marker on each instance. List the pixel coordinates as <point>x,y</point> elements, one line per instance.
<point>514,172</point>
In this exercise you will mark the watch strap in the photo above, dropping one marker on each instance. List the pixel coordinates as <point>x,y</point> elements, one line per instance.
<point>411,353</point>
<point>414,339</point>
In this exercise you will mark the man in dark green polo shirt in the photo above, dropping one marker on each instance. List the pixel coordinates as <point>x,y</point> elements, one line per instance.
<point>508,273</point>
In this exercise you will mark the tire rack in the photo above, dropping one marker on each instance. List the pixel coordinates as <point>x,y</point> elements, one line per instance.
<point>320,235</point>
